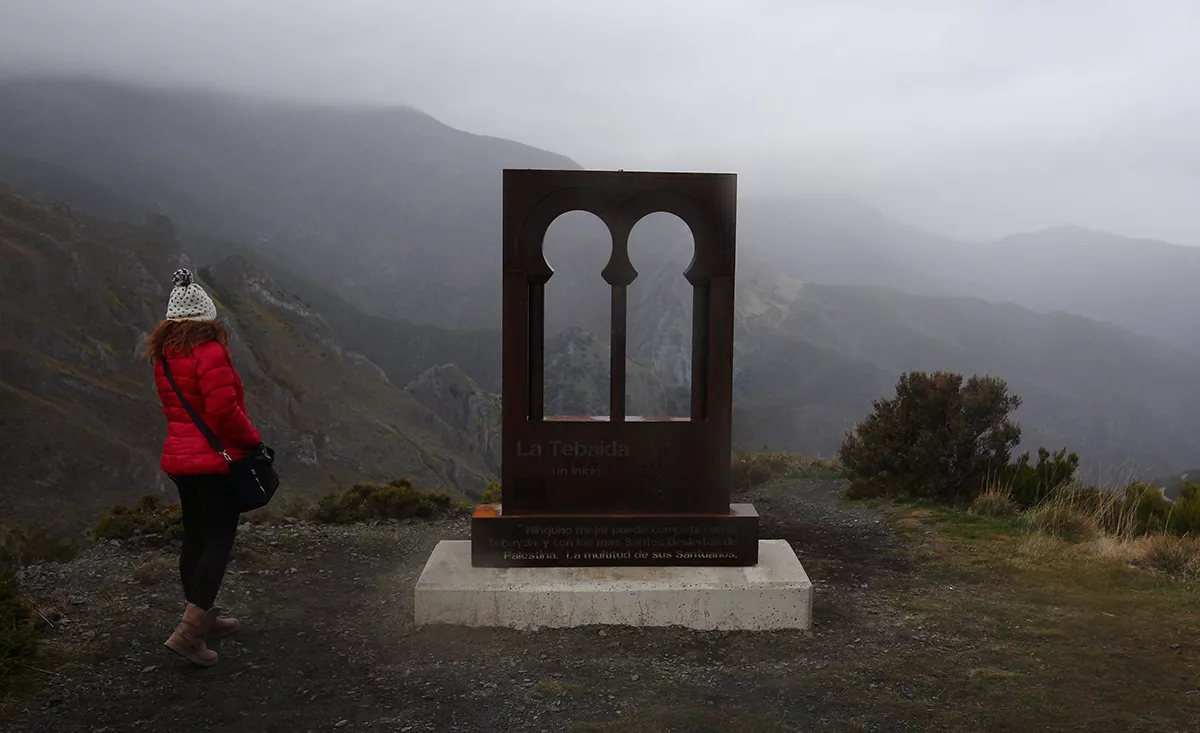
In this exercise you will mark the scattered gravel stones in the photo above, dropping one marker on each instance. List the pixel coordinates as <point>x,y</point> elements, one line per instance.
<point>327,641</point>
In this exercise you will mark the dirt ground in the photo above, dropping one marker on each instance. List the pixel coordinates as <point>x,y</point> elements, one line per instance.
<point>328,644</point>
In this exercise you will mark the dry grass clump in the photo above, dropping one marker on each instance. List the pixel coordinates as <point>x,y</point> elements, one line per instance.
<point>1174,555</point>
<point>1038,546</point>
<point>1118,549</point>
<point>262,515</point>
<point>1130,528</point>
<point>297,508</point>
<point>155,570</point>
<point>994,504</point>
<point>1064,521</point>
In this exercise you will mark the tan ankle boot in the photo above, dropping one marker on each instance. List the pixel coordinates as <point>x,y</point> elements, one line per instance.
<point>219,626</point>
<point>189,636</point>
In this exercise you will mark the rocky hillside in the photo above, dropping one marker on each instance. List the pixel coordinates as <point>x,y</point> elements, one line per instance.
<point>577,368</point>
<point>402,348</point>
<point>78,295</point>
<point>1126,403</point>
<point>472,412</point>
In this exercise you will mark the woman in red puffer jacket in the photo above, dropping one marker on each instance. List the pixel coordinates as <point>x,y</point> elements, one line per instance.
<point>194,344</point>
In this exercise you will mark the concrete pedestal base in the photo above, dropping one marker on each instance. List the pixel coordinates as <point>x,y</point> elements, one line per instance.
<point>775,594</point>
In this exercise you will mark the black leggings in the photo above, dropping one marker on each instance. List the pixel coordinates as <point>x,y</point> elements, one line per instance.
<point>210,519</point>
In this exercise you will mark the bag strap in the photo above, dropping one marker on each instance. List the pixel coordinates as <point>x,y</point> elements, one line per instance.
<point>213,441</point>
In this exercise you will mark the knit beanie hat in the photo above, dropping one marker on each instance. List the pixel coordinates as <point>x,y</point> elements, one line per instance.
<point>188,300</point>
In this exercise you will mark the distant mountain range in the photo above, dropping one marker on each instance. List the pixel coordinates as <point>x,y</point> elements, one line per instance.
<point>380,231</point>
<point>365,199</point>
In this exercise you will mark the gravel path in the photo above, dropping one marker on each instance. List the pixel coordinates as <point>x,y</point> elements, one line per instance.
<point>328,644</point>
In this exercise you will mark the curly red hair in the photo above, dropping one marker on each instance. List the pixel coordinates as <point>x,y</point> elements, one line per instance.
<point>183,337</point>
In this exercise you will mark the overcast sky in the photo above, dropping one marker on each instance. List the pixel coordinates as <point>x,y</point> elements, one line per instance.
<point>970,118</point>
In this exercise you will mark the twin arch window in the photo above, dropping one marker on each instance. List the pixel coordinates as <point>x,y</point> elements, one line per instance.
<point>706,204</point>
<point>635,299</point>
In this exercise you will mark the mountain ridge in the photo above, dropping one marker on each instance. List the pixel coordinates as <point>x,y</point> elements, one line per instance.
<point>402,263</point>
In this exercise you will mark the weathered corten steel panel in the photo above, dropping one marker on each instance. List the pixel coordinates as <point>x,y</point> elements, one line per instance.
<point>617,463</point>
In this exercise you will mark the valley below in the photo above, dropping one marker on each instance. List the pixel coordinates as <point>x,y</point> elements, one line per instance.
<point>354,253</point>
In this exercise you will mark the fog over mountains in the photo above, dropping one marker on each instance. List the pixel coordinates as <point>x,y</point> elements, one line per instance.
<point>356,252</point>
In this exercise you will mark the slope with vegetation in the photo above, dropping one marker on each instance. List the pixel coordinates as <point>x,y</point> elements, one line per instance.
<point>77,296</point>
<point>1125,403</point>
<point>948,441</point>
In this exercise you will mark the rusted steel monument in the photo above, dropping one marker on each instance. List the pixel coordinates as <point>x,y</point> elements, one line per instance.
<point>616,489</point>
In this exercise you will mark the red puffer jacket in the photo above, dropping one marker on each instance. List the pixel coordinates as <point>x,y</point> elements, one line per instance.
<point>208,381</point>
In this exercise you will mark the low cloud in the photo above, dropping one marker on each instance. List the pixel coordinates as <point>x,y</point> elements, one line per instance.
<point>972,118</point>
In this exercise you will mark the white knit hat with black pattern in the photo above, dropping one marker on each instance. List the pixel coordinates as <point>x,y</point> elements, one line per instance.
<point>188,300</point>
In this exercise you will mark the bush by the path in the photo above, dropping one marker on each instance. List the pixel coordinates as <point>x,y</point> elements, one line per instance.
<point>944,441</point>
<point>938,438</point>
<point>149,517</point>
<point>1028,485</point>
<point>1147,511</point>
<point>395,500</point>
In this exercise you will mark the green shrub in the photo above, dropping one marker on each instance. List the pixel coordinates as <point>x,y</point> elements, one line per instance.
<point>938,438</point>
<point>18,632</point>
<point>1030,485</point>
<point>751,469</point>
<point>1146,507</point>
<point>492,494</point>
<point>1184,517</point>
<point>149,517</point>
<point>993,504</point>
<point>396,500</point>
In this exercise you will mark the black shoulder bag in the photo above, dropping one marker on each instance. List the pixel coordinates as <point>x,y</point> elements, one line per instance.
<point>254,477</point>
